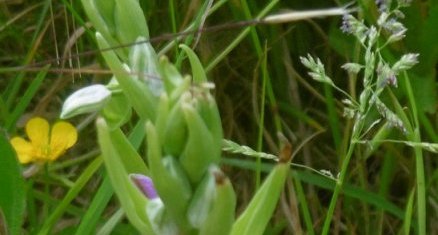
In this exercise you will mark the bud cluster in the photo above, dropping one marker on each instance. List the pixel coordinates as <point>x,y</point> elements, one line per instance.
<point>180,188</point>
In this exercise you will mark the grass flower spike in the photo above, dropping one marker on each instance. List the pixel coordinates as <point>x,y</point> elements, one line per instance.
<point>46,144</point>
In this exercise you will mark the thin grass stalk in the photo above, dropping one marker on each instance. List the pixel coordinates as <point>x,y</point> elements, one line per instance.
<point>307,217</point>
<point>172,16</point>
<point>419,161</point>
<point>407,221</point>
<point>262,118</point>
<point>338,187</point>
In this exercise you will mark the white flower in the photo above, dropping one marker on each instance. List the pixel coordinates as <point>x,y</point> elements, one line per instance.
<point>86,100</point>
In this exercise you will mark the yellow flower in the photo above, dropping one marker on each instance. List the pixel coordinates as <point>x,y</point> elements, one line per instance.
<point>45,144</point>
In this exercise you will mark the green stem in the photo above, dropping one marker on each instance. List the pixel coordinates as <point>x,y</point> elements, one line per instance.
<point>419,161</point>
<point>338,187</point>
<point>262,119</point>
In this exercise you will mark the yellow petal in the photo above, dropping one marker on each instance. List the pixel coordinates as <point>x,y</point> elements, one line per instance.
<point>24,149</point>
<point>63,136</point>
<point>37,130</point>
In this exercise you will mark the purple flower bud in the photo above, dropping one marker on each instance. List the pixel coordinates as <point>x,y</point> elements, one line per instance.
<point>145,185</point>
<point>382,5</point>
<point>346,26</point>
<point>392,80</point>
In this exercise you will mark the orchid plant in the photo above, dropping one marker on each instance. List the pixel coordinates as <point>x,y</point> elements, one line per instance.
<point>181,189</point>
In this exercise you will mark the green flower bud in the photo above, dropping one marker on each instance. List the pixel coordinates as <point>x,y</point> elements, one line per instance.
<point>212,207</point>
<point>144,63</point>
<point>209,112</point>
<point>220,218</point>
<point>170,75</point>
<point>202,200</point>
<point>197,155</point>
<point>169,179</point>
<point>175,132</point>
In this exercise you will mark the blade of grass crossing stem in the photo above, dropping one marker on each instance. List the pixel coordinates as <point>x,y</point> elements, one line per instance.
<point>256,216</point>
<point>97,206</point>
<point>71,194</point>
<point>26,98</point>
<point>419,162</point>
<point>324,182</point>
<point>12,198</point>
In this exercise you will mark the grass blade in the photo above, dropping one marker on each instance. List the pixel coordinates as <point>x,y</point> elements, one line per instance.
<point>12,197</point>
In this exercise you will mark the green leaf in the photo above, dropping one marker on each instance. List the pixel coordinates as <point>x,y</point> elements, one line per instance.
<point>12,196</point>
<point>130,22</point>
<point>256,216</point>
<point>131,160</point>
<point>132,200</point>
<point>198,71</point>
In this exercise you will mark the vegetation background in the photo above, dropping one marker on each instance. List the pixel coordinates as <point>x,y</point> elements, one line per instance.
<point>379,193</point>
